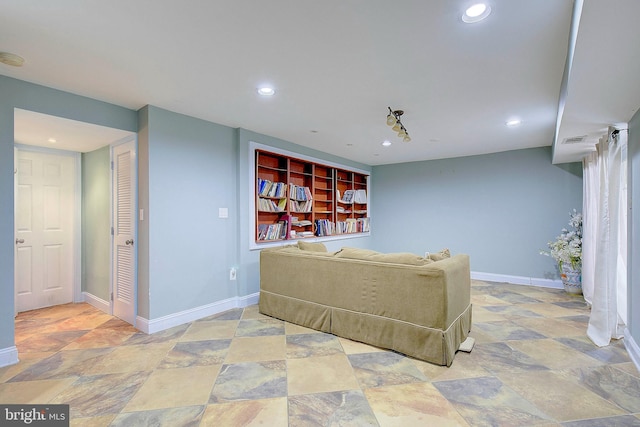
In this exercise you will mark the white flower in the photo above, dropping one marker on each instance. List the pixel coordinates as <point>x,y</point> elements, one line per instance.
<point>567,248</point>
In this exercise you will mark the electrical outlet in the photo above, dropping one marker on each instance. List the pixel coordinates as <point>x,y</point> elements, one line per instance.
<point>426,254</point>
<point>232,274</point>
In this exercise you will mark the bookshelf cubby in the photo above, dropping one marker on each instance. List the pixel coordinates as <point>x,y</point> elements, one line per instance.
<point>297,199</point>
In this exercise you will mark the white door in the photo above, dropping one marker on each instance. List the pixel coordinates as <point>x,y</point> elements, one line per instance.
<point>124,231</point>
<point>44,229</point>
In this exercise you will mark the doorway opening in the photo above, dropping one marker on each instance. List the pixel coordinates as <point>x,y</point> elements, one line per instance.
<point>65,213</point>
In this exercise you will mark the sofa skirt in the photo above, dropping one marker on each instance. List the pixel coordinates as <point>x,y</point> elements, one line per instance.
<point>424,343</point>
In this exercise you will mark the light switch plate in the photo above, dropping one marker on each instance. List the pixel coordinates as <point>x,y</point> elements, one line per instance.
<point>223,212</point>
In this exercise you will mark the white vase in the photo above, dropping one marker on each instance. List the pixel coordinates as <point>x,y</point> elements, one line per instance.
<point>571,279</point>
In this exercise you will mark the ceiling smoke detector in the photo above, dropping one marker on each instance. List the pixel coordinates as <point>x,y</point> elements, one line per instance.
<point>11,59</point>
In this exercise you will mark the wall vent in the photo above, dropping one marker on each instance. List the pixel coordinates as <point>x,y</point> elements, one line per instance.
<point>575,140</point>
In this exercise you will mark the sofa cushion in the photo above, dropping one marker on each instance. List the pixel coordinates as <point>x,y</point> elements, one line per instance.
<point>439,256</point>
<point>356,253</point>
<point>288,248</point>
<point>395,258</point>
<point>312,246</point>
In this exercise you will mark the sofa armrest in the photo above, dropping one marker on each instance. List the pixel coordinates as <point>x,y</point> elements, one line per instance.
<point>457,295</point>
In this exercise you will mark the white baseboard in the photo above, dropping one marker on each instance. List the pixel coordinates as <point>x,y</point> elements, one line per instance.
<point>186,316</point>
<point>632,348</point>
<point>248,300</point>
<point>517,280</point>
<point>98,303</point>
<point>9,356</point>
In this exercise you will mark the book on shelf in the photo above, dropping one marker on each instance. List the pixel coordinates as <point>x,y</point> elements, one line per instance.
<point>269,205</point>
<point>340,209</point>
<point>281,230</point>
<point>347,198</point>
<point>268,188</point>
<point>262,231</point>
<point>363,225</point>
<point>299,193</point>
<point>271,231</point>
<point>352,225</point>
<point>361,196</point>
<point>300,206</point>
<point>302,223</point>
<point>324,227</point>
<point>285,230</point>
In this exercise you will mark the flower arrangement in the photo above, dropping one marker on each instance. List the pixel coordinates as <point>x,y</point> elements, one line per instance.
<point>567,248</point>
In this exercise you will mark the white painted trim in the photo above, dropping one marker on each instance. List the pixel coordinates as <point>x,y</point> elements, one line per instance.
<point>77,232</point>
<point>632,348</point>
<point>190,315</point>
<point>98,303</point>
<point>248,300</point>
<point>15,230</point>
<point>517,280</point>
<point>8,356</point>
<point>253,146</point>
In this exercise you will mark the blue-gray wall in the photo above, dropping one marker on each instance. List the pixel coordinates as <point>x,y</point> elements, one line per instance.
<point>633,263</point>
<point>96,222</point>
<point>501,209</point>
<point>192,172</point>
<point>18,94</point>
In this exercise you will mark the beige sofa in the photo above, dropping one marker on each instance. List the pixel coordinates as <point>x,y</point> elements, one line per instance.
<point>414,305</point>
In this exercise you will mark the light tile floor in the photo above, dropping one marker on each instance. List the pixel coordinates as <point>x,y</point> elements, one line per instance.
<point>532,365</point>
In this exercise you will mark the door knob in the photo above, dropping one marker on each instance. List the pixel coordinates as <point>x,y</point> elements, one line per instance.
<point>129,242</point>
<point>19,241</point>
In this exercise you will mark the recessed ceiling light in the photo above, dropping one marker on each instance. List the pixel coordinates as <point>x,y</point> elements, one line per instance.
<point>476,13</point>
<point>513,122</point>
<point>52,140</point>
<point>266,91</point>
<point>386,143</point>
<point>11,59</point>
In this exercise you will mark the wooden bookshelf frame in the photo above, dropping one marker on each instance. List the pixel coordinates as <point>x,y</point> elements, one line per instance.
<point>324,217</point>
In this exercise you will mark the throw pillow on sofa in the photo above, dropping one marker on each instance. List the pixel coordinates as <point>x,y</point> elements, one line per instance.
<point>439,256</point>
<point>312,246</point>
<point>394,258</point>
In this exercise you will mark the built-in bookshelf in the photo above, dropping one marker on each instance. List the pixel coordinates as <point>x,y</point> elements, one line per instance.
<point>352,207</point>
<point>297,199</point>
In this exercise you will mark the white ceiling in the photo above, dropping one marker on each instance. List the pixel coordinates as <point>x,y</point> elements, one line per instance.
<point>33,128</point>
<point>336,67</point>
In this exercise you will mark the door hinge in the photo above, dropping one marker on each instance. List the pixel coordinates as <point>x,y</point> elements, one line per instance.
<point>111,164</point>
<point>112,231</point>
<point>111,296</point>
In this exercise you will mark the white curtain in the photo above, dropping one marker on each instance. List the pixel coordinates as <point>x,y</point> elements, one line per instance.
<point>604,260</point>
<point>590,197</point>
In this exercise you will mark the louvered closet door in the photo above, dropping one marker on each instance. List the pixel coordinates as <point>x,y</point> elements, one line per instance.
<point>124,228</point>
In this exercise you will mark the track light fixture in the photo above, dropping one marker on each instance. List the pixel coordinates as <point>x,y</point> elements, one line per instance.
<point>393,120</point>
